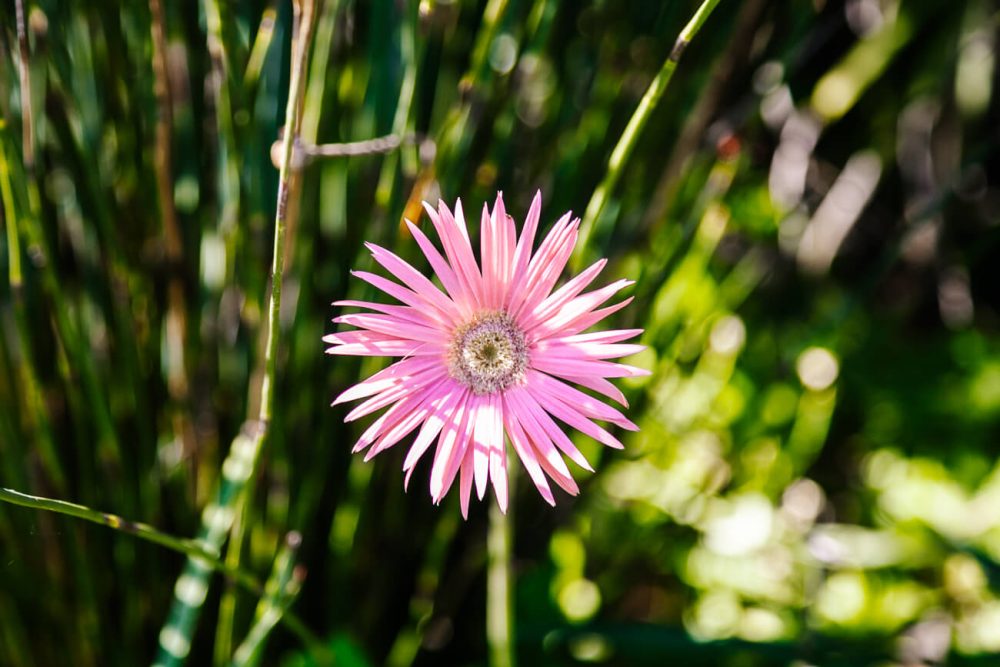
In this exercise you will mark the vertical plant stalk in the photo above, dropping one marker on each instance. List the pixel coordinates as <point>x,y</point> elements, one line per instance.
<point>228,602</point>
<point>626,143</point>
<point>704,112</point>
<point>229,177</point>
<point>455,135</point>
<point>36,413</point>
<point>401,120</point>
<point>280,591</point>
<point>176,320</point>
<point>75,346</point>
<point>217,518</point>
<point>304,10</point>
<point>27,117</point>
<point>261,45</point>
<point>499,611</point>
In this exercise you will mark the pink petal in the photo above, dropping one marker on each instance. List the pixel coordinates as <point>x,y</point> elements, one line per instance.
<point>396,429</point>
<point>496,253</point>
<point>497,450</point>
<point>379,348</point>
<point>539,437</point>
<point>454,239</point>
<point>601,386</point>
<point>545,266</point>
<point>404,295</point>
<point>588,405</point>
<point>385,378</point>
<point>488,259</point>
<point>498,475</point>
<point>576,367</point>
<point>385,421</point>
<point>393,327</point>
<point>588,350</point>
<point>522,254</point>
<point>542,418</point>
<point>506,239</point>
<point>392,394</point>
<point>465,484</point>
<point>576,308</point>
<point>459,292</point>
<point>400,312</point>
<point>450,449</point>
<point>526,453</point>
<point>442,408</point>
<point>481,443</point>
<point>551,305</point>
<point>416,281</point>
<point>571,416</point>
<point>587,320</point>
<point>610,336</point>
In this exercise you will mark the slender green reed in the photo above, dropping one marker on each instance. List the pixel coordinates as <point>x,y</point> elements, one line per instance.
<point>279,592</point>
<point>401,122</point>
<point>499,603</point>
<point>591,223</point>
<point>238,468</point>
<point>229,176</point>
<point>455,134</point>
<point>194,549</point>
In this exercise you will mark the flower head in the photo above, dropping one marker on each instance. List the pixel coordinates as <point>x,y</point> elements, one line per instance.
<point>495,354</point>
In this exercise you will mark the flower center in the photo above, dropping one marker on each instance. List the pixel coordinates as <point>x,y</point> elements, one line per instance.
<point>488,354</point>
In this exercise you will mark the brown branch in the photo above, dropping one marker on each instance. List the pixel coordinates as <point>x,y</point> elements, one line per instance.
<point>305,153</point>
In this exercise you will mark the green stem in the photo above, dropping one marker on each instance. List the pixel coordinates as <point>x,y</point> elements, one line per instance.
<point>194,549</point>
<point>229,176</point>
<point>279,593</point>
<point>454,137</point>
<point>499,612</point>
<point>293,117</point>
<point>217,518</point>
<point>626,143</point>
<point>191,548</point>
<point>227,604</point>
<point>401,121</point>
<point>10,216</point>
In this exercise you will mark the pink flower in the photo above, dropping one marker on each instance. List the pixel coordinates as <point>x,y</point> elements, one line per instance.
<point>492,355</point>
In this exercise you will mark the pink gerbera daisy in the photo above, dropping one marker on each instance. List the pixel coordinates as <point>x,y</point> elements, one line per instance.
<point>492,355</point>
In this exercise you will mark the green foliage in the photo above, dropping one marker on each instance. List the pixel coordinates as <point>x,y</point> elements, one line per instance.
<point>810,212</point>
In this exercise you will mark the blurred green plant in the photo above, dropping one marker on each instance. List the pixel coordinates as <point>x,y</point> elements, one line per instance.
<point>810,212</point>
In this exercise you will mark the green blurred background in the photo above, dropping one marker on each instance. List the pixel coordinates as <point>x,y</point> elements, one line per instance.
<point>812,216</point>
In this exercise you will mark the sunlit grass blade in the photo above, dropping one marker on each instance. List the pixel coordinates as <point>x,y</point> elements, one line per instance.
<point>195,549</point>
<point>279,593</point>
<point>217,519</point>
<point>626,143</point>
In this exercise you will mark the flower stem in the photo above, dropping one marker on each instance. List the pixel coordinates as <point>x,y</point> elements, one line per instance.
<point>499,612</point>
<point>627,142</point>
